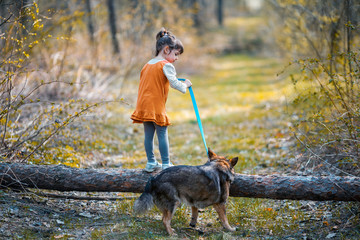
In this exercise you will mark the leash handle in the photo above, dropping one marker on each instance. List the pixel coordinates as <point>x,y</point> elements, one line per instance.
<point>197,115</point>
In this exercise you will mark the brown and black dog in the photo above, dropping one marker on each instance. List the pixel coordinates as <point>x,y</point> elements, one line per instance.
<point>196,186</point>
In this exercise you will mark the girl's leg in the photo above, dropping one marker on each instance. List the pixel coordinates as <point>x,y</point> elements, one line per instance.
<point>149,130</point>
<point>163,140</point>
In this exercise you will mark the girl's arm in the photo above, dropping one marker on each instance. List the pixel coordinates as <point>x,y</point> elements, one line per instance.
<point>170,73</point>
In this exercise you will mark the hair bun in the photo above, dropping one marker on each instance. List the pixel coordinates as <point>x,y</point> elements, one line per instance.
<point>170,40</point>
<point>163,32</point>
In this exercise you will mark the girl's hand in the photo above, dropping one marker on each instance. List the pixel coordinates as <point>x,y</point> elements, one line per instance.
<point>188,83</point>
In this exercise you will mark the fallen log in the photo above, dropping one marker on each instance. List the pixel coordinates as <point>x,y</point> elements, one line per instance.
<point>63,178</point>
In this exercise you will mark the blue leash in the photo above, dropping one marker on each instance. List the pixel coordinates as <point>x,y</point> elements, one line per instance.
<point>197,115</point>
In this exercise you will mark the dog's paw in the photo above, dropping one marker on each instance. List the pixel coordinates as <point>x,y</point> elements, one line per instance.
<point>171,232</point>
<point>231,229</point>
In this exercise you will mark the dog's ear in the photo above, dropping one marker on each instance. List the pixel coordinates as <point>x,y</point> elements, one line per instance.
<point>233,162</point>
<point>211,154</point>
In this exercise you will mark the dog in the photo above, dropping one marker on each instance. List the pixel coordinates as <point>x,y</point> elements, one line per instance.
<point>196,186</point>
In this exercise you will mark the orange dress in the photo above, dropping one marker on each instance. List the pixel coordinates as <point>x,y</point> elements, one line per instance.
<point>152,95</point>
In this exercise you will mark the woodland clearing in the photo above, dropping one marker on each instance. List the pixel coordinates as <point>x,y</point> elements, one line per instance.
<point>243,107</point>
<point>277,85</point>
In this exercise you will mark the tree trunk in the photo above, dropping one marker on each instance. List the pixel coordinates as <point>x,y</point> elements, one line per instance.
<point>24,4</point>
<point>5,17</point>
<point>196,16</point>
<point>62,178</point>
<point>90,22</point>
<point>112,24</point>
<point>220,12</point>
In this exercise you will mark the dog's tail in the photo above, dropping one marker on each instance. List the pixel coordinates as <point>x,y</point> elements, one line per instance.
<point>145,202</point>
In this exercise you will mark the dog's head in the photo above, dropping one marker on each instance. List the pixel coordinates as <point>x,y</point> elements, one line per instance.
<point>223,164</point>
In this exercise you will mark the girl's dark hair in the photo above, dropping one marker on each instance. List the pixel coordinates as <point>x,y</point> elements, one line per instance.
<point>165,38</point>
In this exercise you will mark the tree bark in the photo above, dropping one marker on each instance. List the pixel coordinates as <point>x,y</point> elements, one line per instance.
<point>63,178</point>
<point>220,12</point>
<point>112,24</point>
<point>197,8</point>
<point>90,21</point>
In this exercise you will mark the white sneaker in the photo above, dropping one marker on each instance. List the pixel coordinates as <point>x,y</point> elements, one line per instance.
<point>150,167</point>
<point>165,166</point>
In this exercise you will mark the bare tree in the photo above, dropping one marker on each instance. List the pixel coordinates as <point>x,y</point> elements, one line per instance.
<point>23,5</point>
<point>112,24</point>
<point>90,21</point>
<point>5,17</point>
<point>220,12</point>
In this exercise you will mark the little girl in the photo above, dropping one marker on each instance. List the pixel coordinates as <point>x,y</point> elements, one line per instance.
<point>155,78</point>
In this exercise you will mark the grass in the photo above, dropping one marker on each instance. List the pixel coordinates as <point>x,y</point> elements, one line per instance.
<point>242,105</point>
<point>238,115</point>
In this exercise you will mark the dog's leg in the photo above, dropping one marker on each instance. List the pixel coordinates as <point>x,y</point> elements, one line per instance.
<point>220,209</point>
<point>167,215</point>
<point>194,216</point>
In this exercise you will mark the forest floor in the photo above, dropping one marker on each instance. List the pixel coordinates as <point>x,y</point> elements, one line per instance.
<point>242,104</point>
